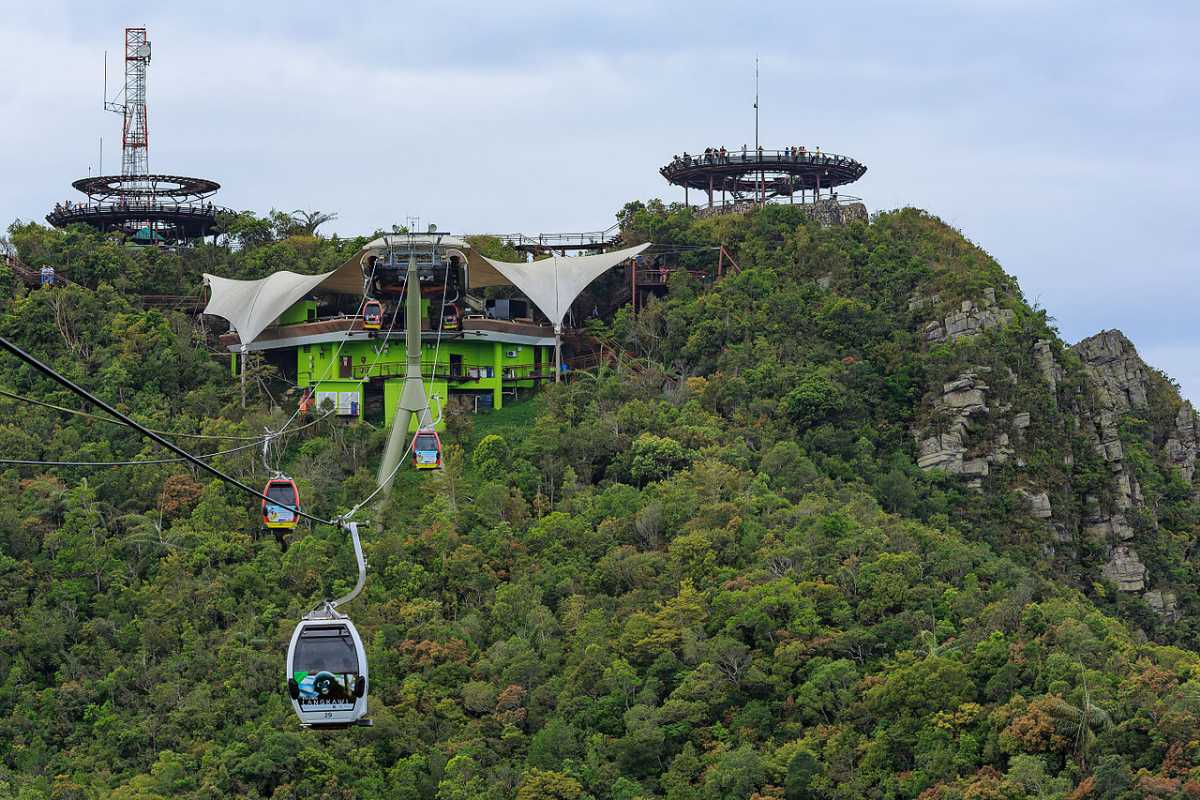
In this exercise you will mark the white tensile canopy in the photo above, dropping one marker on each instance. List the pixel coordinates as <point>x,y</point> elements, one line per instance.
<point>554,283</point>
<point>251,306</point>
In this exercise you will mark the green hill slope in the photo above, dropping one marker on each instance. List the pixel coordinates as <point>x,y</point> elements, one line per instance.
<point>853,522</point>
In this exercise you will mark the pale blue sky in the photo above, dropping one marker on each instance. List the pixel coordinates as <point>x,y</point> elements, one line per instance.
<point>1061,137</point>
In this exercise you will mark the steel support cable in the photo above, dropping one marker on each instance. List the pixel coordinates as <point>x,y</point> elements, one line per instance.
<point>54,375</point>
<point>403,456</point>
<point>98,417</point>
<point>31,462</point>
<point>358,507</point>
<point>336,353</point>
<point>387,337</point>
<point>257,443</point>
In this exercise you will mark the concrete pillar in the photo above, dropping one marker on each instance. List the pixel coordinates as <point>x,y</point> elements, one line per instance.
<point>498,376</point>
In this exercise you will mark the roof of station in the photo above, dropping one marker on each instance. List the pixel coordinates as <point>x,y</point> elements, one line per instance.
<point>552,284</point>
<point>251,306</point>
<point>402,241</point>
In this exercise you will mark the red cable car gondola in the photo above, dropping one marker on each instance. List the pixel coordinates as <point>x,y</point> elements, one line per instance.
<point>280,510</point>
<point>372,315</point>
<point>427,449</point>
<point>451,318</point>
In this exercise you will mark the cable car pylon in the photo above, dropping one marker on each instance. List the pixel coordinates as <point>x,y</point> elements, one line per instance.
<point>412,398</point>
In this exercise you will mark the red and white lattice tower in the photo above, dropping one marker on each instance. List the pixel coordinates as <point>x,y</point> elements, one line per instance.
<point>135,136</point>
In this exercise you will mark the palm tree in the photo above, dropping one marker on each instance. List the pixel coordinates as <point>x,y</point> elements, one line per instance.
<point>1085,719</point>
<point>307,222</point>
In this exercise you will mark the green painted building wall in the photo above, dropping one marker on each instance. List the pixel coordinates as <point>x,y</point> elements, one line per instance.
<point>484,363</point>
<point>304,311</point>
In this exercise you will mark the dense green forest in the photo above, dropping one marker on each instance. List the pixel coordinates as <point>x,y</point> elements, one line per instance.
<point>712,568</point>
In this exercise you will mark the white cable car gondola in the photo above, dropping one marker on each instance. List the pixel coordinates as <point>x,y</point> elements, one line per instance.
<point>326,662</point>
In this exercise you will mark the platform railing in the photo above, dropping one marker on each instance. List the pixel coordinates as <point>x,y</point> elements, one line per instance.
<point>93,209</point>
<point>456,372</point>
<point>751,156</point>
<point>553,241</point>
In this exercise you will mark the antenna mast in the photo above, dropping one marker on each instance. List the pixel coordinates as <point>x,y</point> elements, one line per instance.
<point>135,133</point>
<point>756,104</point>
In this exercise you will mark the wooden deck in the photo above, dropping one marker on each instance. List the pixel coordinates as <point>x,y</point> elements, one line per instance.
<point>355,325</point>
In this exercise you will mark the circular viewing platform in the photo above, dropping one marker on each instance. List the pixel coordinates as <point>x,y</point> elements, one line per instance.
<point>154,220</point>
<point>147,208</point>
<point>762,176</point>
<point>174,186</point>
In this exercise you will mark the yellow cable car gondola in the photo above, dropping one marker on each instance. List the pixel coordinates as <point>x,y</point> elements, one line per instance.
<point>280,510</point>
<point>427,449</point>
<point>372,315</point>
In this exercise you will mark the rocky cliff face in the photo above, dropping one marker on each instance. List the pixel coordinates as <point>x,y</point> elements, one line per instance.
<point>1121,384</point>
<point>969,433</point>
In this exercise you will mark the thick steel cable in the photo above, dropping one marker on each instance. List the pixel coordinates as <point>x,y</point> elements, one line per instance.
<point>78,413</point>
<point>31,462</point>
<point>329,366</point>
<point>257,443</point>
<point>53,374</point>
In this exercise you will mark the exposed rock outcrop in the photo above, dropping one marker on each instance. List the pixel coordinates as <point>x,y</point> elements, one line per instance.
<point>971,318</point>
<point>1184,442</point>
<point>1121,383</point>
<point>1039,503</point>
<point>960,399</point>
<point>1118,375</point>
<point>1125,569</point>
<point>1165,603</point>
<point>1051,371</point>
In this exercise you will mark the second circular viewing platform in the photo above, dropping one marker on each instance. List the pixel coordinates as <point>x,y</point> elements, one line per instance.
<point>736,180</point>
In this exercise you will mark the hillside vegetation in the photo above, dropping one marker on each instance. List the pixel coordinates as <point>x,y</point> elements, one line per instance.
<point>850,522</point>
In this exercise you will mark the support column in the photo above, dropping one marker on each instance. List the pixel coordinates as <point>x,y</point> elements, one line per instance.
<point>498,374</point>
<point>242,359</point>
<point>558,353</point>
<point>412,397</point>
<point>633,265</point>
<point>710,191</point>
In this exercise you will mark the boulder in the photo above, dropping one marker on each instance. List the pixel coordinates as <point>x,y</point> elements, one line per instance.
<point>1107,529</point>
<point>943,451</point>
<point>1039,503</point>
<point>1125,569</point>
<point>1165,603</point>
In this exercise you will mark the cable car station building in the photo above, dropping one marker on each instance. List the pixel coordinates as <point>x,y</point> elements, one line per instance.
<point>311,326</point>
